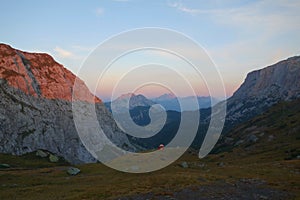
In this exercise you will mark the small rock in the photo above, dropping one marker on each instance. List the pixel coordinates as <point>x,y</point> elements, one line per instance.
<point>73,171</point>
<point>262,197</point>
<point>252,181</point>
<point>201,165</point>
<point>184,165</point>
<point>298,157</point>
<point>53,158</point>
<point>221,164</point>
<point>262,134</point>
<point>252,138</point>
<point>3,166</point>
<point>270,138</point>
<point>41,153</point>
<point>239,142</point>
<point>169,197</point>
<point>228,140</point>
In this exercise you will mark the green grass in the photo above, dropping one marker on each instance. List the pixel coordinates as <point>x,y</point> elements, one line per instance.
<point>97,181</point>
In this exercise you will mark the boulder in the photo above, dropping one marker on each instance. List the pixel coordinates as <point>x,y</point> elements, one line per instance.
<point>73,171</point>
<point>3,166</point>
<point>270,138</point>
<point>252,138</point>
<point>41,153</point>
<point>53,158</point>
<point>262,134</point>
<point>184,164</point>
<point>239,142</point>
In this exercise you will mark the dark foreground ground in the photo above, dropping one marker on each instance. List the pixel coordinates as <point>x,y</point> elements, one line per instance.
<point>221,176</point>
<point>246,189</point>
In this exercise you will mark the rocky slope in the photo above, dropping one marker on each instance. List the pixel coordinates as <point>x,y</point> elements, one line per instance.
<point>36,107</point>
<point>262,89</point>
<point>275,132</point>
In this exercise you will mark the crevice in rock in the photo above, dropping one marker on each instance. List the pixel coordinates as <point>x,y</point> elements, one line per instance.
<point>34,83</point>
<point>27,84</point>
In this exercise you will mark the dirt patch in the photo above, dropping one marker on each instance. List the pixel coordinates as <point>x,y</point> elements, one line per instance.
<point>243,189</point>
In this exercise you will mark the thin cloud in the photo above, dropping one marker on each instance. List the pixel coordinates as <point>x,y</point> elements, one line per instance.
<point>179,6</point>
<point>268,15</point>
<point>63,53</point>
<point>258,25</point>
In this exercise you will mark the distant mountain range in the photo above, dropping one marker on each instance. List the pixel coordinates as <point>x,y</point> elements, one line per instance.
<point>261,89</point>
<point>129,101</point>
<point>171,102</point>
<point>167,101</point>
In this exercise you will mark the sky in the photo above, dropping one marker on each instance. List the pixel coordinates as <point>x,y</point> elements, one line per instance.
<point>239,36</point>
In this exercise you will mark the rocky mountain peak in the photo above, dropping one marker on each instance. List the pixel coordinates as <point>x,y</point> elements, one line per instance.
<point>38,75</point>
<point>281,80</point>
<point>36,109</point>
<point>134,100</point>
<point>262,89</point>
<point>166,96</point>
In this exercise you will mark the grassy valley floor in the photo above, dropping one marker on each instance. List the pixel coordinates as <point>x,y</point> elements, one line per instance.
<point>217,176</point>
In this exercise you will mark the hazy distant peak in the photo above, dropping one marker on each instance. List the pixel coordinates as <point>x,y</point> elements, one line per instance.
<point>166,96</point>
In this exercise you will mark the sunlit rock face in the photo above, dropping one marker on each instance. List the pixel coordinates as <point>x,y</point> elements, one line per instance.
<point>39,75</point>
<point>36,107</point>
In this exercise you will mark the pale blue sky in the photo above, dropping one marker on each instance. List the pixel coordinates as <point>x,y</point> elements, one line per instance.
<point>238,35</point>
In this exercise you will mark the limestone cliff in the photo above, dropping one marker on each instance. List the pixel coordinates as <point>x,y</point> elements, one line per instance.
<point>263,88</point>
<point>36,107</point>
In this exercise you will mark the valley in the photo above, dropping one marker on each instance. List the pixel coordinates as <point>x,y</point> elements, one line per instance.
<point>264,169</point>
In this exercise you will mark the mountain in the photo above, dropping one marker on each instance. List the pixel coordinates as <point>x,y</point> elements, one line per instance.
<point>168,101</point>
<point>134,101</point>
<point>36,108</point>
<point>262,89</point>
<point>171,102</point>
<point>165,97</point>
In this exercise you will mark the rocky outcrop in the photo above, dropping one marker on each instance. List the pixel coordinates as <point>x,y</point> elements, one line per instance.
<point>262,89</point>
<point>38,75</point>
<point>279,81</point>
<point>36,108</point>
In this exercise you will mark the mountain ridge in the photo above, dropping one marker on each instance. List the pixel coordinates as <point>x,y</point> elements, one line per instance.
<point>263,88</point>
